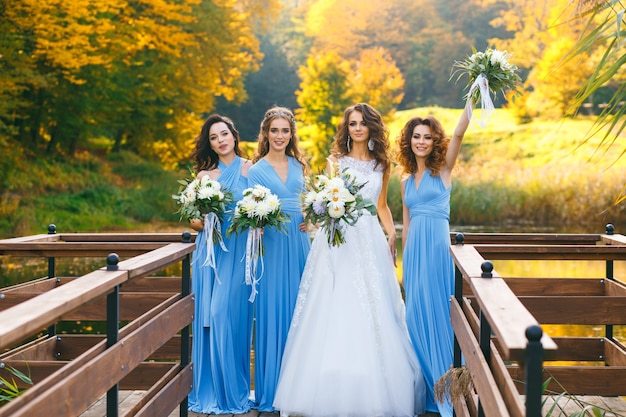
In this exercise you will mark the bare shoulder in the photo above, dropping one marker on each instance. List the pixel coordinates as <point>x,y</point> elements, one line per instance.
<point>213,174</point>
<point>333,157</point>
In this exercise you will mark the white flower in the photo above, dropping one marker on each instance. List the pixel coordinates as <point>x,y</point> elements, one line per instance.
<point>262,209</point>
<point>205,193</point>
<point>310,197</point>
<point>259,192</point>
<point>336,209</point>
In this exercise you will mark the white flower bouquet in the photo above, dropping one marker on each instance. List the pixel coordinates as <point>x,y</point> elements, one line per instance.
<point>488,73</point>
<point>258,208</point>
<point>206,200</point>
<point>334,202</point>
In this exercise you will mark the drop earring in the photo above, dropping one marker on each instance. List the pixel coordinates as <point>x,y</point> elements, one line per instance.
<point>370,144</point>
<point>348,143</point>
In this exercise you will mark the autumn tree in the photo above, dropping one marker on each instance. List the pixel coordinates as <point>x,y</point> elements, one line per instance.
<point>323,95</point>
<point>134,71</point>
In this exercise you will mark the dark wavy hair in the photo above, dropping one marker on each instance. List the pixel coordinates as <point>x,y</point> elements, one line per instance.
<point>436,159</point>
<point>205,158</point>
<point>378,133</point>
<point>263,147</point>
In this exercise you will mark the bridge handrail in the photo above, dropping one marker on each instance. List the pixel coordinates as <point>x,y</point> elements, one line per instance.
<point>26,318</point>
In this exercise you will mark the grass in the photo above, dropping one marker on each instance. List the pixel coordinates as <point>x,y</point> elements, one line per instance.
<point>536,174</point>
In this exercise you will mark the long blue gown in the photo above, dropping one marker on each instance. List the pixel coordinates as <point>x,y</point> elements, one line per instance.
<point>283,262</point>
<point>222,325</point>
<point>428,277</point>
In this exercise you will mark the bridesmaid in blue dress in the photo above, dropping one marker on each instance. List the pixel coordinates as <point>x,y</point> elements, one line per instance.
<point>279,166</point>
<point>428,156</point>
<point>222,325</point>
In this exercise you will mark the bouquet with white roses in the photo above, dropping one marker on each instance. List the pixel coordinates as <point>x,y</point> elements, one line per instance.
<point>334,202</point>
<point>257,209</point>
<point>488,73</point>
<point>206,200</point>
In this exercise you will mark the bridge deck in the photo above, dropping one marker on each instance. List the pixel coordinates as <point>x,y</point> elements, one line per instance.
<point>566,406</point>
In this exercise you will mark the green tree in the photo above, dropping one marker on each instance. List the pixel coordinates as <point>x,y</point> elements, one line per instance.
<point>322,97</point>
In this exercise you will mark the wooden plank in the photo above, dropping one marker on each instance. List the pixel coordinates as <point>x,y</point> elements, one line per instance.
<point>73,366</point>
<point>557,286</point>
<point>40,349</point>
<point>508,318</point>
<point>169,237</point>
<point>37,285</point>
<point>604,381</point>
<point>614,353</point>
<point>132,305</point>
<point>29,239</point>
<point>152,391</point>
<point>614,239</point>
<point>77,249</point>
<point>461,408</point>
<point>23,320</point>
<point>579,349</point>
<point>554,252</point>
<point>156,260</point>
<point>153,284</point>
<point>111,366</point>
<point>498,368</point>
<point>615,288</point>
<point>68,347</point>
<point>547,239</point>
<point>577,310</point>
<point>171,395</point>
<point>493,403</point>
<point>468,260</point>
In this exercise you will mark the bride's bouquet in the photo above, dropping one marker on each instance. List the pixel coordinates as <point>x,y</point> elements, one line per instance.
<point>488,73</point>
<point>257,209</point>
<point>204,199</point>
<point>334,202</point>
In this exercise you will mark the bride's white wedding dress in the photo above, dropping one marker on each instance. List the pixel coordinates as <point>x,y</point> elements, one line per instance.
<point>348,352</point>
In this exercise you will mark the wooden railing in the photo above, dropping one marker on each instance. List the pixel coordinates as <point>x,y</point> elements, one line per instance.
<point>147,340</point>
<point>497,321</point>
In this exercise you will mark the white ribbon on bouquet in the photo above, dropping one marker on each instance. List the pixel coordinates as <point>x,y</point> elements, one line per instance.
<point>254,247</point>
<point>211,224</point>
<point>482,84</point>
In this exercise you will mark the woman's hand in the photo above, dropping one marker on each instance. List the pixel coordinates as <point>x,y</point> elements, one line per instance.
<point>196,224</point>
<point>391,241</point>
<point>304,227</point>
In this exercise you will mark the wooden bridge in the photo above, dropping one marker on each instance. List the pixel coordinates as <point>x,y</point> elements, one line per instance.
<point>499,342</point>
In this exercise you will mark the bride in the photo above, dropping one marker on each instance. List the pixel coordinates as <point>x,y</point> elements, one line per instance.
<point>348,351</point>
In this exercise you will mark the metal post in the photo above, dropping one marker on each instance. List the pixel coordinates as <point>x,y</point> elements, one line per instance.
<point>113,320</point>
<point>485,328</point>
<point>185,339</point>
<point>534,371</point>
<point>459,239</point>
<point>610,275</point>
<point>52,230</point>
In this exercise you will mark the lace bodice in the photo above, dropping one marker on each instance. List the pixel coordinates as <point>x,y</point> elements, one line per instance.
<point>365,172</point>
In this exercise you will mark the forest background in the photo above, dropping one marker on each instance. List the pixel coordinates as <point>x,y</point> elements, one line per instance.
<point>100,101</point>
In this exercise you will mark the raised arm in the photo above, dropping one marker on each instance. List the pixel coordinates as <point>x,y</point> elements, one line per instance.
<point>455,142</point>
